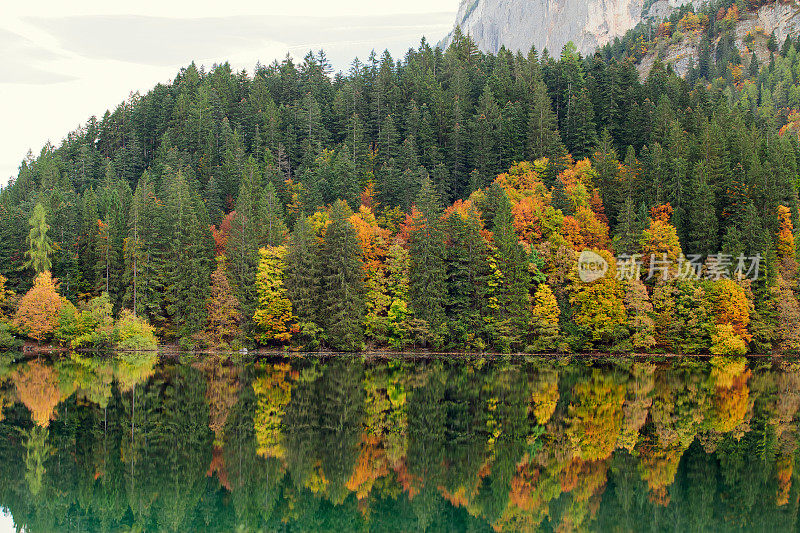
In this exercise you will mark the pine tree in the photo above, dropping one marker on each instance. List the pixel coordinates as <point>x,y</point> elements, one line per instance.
<point>343,282</point>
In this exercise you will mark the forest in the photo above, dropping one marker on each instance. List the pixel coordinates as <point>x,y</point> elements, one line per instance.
<point>360,444</point>
<point>442,201</point>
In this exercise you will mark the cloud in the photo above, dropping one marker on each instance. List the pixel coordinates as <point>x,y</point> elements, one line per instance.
<point>22,61</point>
<point>161,41</point>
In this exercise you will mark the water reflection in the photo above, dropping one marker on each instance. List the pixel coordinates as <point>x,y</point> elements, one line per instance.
<point>208,444</point>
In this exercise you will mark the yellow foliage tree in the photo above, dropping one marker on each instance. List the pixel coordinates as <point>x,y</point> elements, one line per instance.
<point>273,317</point>
<point>273,393</point>
<point>660,239</point>
<point>39,309</point>
<point>544,319</point>
<point>5,297</point>
<point>598,306</point>
<point>786,244</point>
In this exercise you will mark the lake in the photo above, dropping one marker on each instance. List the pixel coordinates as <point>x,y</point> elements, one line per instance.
<point>210,443</point>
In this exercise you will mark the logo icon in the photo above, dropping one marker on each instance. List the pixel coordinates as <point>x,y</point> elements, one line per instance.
<point>591,266</point>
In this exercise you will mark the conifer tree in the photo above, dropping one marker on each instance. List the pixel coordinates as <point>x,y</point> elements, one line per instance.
<point>303,274</point>
<point>513,295</point>
<point>466,278</point>
<point>344,292</point>
<point>427,289</point>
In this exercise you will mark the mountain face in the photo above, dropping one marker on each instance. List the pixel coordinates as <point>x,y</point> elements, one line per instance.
<point>520,24</point>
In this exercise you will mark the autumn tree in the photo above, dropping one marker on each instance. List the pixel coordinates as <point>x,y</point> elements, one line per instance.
<point>274,319</point>
<point>660,240</point>
<point>40,245</point>
<point>38,312</point>
<point>223,321</point>
<point>786,243</point>
<point>640,315</point>
<point>545,312</point>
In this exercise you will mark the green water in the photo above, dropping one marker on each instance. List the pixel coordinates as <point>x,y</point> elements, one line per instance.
<point>132,443</point>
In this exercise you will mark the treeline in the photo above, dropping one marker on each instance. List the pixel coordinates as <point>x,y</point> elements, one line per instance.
<point>347,444</point>
<point>165,203</point>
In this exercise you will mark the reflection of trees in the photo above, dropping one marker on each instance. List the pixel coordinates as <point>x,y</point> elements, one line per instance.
<point>323,429</point>
<point>628,445</point>
<point>169,449</point>
<point>38,388</point>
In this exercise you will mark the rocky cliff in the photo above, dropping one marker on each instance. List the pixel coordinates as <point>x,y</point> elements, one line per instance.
<point>520,24</point>
<point>750,36</point>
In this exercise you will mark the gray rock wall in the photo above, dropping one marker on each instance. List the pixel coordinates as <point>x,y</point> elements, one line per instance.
<point>520,24</point>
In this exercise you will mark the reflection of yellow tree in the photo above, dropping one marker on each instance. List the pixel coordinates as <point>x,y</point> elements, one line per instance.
<point>732,395</point>
<point>273,392</point>
<point>595,416</point>
<point>36,452</point>
<point>680,402</point>
<point>544,395</point>
<point>637,404</point>
<point>38,388</point>
<point>134,368</point>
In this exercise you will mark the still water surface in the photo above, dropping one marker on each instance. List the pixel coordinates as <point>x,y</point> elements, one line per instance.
<point>341,444</point>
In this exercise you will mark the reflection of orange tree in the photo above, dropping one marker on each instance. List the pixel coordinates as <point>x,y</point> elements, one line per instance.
<point>584,482</point>
<point>273,393</point>
<point>595,416</point>
<point>784,469</point>
<point>38,388</point>
<point>221,393</point>
<point>533,487</point>
<point>731,401</point>
<point>658,465</point>
<point>370,466</point>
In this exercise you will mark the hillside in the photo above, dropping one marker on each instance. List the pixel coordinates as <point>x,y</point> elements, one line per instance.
<point>443,200</point>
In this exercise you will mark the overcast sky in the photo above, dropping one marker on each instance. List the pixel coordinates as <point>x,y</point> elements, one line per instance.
<point>64,61</point>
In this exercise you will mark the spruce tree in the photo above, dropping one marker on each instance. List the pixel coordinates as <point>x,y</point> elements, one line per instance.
<point>427,288</point>
<point>303,273</point>
<point>513,294</point>
<point>343,304</point>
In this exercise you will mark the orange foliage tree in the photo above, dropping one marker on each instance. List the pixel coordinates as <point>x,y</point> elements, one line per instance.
<point>39,309</point>
<point>223,309</point>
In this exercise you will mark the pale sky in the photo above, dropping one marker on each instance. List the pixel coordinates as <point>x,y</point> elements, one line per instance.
<point>64,61</point>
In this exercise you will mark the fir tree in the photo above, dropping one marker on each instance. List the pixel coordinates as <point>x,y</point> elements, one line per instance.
<point>344,292</point>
